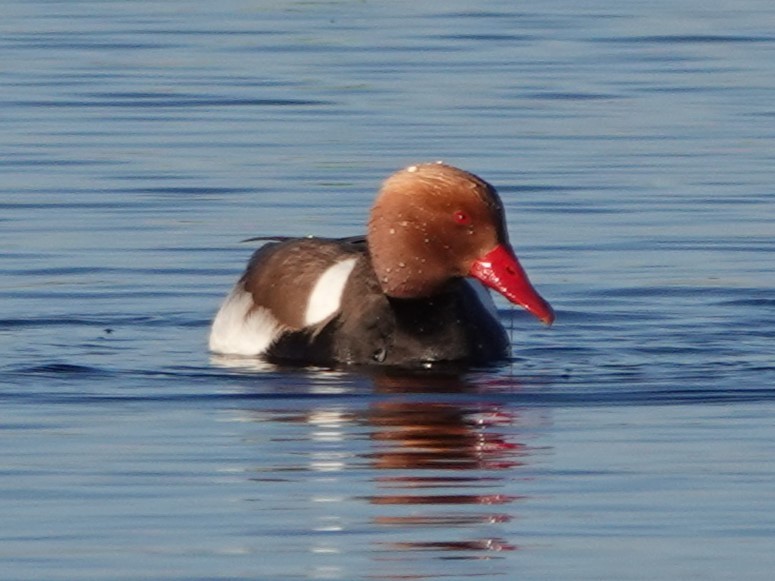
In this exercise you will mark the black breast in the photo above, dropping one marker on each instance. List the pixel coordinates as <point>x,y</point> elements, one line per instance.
<point>451,327</point>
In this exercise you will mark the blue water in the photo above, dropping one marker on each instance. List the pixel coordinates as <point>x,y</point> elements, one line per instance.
<point>632,144</point>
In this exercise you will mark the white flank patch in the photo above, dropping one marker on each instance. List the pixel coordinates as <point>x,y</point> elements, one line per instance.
<point>326,296</point>
<point>484,297</point>
<point>237,331</point>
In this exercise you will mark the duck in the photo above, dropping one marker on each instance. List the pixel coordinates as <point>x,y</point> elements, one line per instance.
<point>412,292</point>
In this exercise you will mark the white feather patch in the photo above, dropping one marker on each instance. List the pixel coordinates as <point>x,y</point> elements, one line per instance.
<point>326,296</point>
<point>238,331</point>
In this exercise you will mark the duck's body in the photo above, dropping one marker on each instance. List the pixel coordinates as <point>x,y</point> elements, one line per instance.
<point>335,311</point>
<point>397,297</point>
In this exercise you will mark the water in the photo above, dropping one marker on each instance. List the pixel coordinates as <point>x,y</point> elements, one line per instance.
<point>632,145</point>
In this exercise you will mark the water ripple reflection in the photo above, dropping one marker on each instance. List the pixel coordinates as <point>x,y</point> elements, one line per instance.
<point>437,475</point>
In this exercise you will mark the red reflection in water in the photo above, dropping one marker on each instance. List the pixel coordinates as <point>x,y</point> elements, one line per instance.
<point>443,462</point>
<point>451,458</point>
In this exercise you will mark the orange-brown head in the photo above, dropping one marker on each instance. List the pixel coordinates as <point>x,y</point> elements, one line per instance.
<point>432,223</point>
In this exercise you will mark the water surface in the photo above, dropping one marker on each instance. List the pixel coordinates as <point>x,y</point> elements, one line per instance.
<point>632,146</point>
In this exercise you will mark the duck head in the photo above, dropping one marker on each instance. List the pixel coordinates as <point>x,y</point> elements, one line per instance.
<point>432,223</point>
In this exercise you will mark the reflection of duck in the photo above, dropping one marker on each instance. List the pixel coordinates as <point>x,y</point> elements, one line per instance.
<point>396,297</point>
<point>423,473</point>
<point>447,457</point>
<point>440,435</point>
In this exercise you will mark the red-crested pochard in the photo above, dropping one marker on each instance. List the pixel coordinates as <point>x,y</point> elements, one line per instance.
<point>405,295</point>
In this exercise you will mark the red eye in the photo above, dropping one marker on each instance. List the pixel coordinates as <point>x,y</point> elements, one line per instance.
<point>461,217</point>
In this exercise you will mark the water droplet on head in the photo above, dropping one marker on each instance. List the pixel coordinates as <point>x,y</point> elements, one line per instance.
<point>411,168</point>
